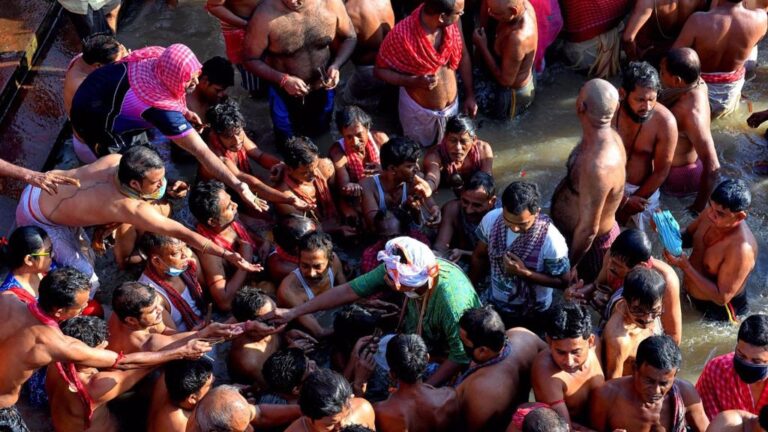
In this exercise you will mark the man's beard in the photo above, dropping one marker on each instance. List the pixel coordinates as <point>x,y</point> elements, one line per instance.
<point>633,115</point>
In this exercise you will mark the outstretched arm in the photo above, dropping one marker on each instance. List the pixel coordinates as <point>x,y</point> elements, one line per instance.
<point>640,15</point>
<point>47,181</point>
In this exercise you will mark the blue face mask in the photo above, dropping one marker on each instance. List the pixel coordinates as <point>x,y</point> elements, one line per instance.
<point>750,373</point>
<point>175,272</point>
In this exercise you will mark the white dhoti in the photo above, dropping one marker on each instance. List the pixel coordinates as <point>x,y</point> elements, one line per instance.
<point>724,91</point>
<point>425,126</point>
<point>598,56</point>
<point>642,219</point>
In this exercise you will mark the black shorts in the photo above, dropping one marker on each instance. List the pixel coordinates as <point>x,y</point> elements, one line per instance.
<point>714,312</point>
<point>11,421</point>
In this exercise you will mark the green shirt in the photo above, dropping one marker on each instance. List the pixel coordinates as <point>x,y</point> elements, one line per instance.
<point>452,295</point>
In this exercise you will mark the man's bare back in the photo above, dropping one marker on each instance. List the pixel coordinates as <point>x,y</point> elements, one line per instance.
<point>519,43</point>
<point>246,358</point>
<point>372,20</point>
<point>75,76</point>
<point>654,24</point>
<point>69,415</point>
<point>421,408</point>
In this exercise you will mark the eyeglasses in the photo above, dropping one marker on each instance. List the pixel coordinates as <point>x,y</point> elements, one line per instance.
<point>42,254</point>
<point>637,312</point>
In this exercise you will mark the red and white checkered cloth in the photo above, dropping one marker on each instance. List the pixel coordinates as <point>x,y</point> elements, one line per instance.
<point>159,75</point>
<point>721,389</point>
<point>585,19</point>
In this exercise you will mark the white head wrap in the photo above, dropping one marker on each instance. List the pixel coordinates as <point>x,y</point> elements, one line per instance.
<point>419,266</point>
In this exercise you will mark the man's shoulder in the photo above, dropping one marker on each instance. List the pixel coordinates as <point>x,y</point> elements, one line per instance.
<point>490,218</point>
<point>687,391</point>
<point>719,367</point>
<point>662,116</point>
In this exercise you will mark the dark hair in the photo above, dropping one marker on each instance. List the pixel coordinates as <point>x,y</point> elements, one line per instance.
<point>60,287</point>
<point>754,330</point>
<point>639,74</point>
<point>484,327</point>
<point>351,114</point>
<point>660,352</point>
<point>544,419</point>
<point>23,241</point>
<point>90,330</point>
<point>299,151</point>
<point>645,286</point>
<point>324,393</point>
<point>101,48</point>
<point>568,321</point>
<point>136,162</point>
<point>317,240</point>
<point>350,323</point>
<point>204,200</point>
<point>632,246</point>
<point>290,229</point>
<point>732,194</point>
<point>225,118</point>
<point>762,418</point>
<point>130,298</point>
<point>356,428</point>
<point>247,303</point>
<point>151,243</point>
<point>520,196</point>
<point>284,370</point>
<point>219,71</point>
<point>460,124</point>
<point>185,377</point>
<point>407,357</point>
<point>399,150</point>
<point>684,63</point>
<point>436,7</point>
<point>402,217</point>
<point>481,179</point>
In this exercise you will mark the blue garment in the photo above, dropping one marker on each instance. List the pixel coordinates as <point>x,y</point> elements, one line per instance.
<point>300,116</point>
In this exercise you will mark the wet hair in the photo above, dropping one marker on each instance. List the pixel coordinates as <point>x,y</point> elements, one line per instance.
<point>762,418</point>
<point>60,287</point>
<point>136,162</point>
<point>186,377</point>
<point>290,229</point>
<point>324,393</point>
<point>284,370</point>
<point>299,151</point>
<point>151,243</point>
<point>644,286</point>
<point>130,298</point>
<point>484,327</point>
<point>754,330</point>
<point>399,150</point>
<point>659,352</point>
<point>317,240</point>
<point>568,321</point>
<point>407,357</point>
<point>247,303</point>
<point>460,124</point>
<point>351,114</point>
<point>204,200</point>
<point>219,71</point>
<point>544,419</point>
<point>639,74</point>
<point>632,246</point>
<point>351,323</point>
<point>356,428</point>
<point>225,118</point>
<point>436,7</point>
<point>22,242</point>
<point>101,48</point>
<point>90,330</point>
<point>520,196</point>
<point>684,63</point>
<point>732,194</point>
<point>481,179</point>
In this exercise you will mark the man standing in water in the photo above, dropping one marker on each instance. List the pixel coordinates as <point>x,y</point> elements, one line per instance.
<point>288,43</point>
<point>594,183</point>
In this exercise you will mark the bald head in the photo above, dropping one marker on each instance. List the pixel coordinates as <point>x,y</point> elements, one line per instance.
<point>598,100</point>
<point>504,10</point>
<point>223,408</point>
<point>683,63</point>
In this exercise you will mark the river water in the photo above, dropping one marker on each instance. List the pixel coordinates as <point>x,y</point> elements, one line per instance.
<point>534,146</point>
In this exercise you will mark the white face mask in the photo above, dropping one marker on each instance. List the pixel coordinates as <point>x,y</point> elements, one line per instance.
<point>413,294</point>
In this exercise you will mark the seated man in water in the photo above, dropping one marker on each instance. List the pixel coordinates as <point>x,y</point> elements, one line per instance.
<point>457,237</point>
<point>458,156</point>
<point>224,408</point>
<point>216,76</point>
<point>510,64</point>
<point>740,421</point>
<point>564,375</point>
<point>284,373</point>
<point>526,255</point>
<point>653,398</point>
<point>413,405</point>
<point>319,270</point>
<point>724,253</point>
<point>286,235</point>
<point>183,385</point>
<point>327,403</point>
<point>737,380</point>
<point>498,378</point>
<point>635,317</point>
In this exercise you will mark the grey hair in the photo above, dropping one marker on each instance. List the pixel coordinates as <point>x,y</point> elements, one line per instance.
<point>219,417</point>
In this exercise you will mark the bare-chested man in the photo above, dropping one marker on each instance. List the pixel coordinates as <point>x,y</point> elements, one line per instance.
<point>183,385</point>
<point>284,372</point>
<point>114,189</point>
<point>286,234</point>
<point>723,37</point>
<point>724,253</point>
<point>652,399</point>
<point>564,375</point>
<point>288,43</point>
<point>216,76</point>
<point>649,133</point>
<point>695,164</point>
<point>594,183</point>
<point>498,378</point>
<point>414,406</point>
<point>421,56</point>
<point>511,62</point>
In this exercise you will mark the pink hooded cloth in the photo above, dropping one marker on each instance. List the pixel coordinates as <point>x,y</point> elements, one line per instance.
<point>158,76</point>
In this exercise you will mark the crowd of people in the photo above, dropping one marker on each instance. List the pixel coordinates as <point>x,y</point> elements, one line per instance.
<point>344,295</point>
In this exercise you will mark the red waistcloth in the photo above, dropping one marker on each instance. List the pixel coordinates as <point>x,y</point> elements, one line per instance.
<point>549,22</point>
<point>239,158</point>
<point>586,19</point>
<point>158,75</point>
<point>721,389</point>
<point>234,40</point>
<point>451,167</point>
<point>215,237</point>
<point>191,319</point>
<point>406,48</point>
<point>356,164</point>
<point>323,199</point>
<point>723,77</point>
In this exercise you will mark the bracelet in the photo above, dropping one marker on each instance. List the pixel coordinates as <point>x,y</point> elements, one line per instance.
<point>284,80</point>
<point>120,356</point>
<point>205,245</point>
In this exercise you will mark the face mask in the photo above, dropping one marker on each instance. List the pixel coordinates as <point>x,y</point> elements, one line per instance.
<point>132,193</point>
<point>413,295</point>
<point>174,272</point>
<point>750,373</point>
